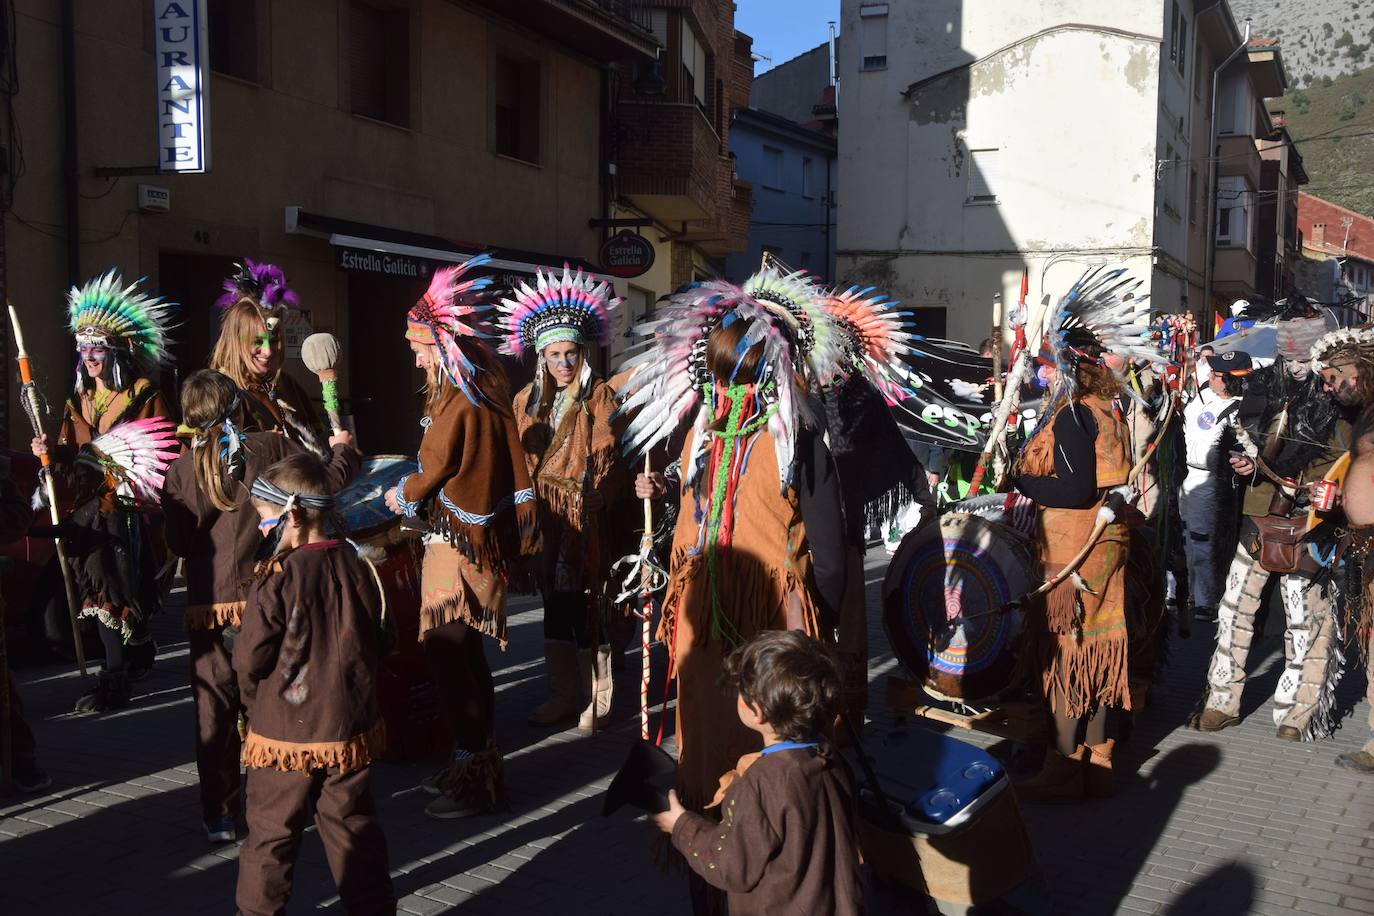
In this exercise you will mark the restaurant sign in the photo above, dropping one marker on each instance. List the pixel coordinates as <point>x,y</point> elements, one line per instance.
<point>181,61</point>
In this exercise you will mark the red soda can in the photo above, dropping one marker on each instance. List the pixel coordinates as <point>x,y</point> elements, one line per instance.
<point>1324,495</point>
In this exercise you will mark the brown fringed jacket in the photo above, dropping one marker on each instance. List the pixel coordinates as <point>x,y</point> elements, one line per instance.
<point>472,480</point>
<point>565,464</point>
<point>219,546</point>
<point>307,656</point>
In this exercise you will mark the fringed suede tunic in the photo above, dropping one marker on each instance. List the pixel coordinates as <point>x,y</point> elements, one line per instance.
<point>764,581</point>
<point>307,656</point>
<point>474,487</point>
<point>1083,641</point>
<point>565,464</point>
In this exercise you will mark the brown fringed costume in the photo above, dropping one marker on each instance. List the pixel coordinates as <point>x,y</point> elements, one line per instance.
<point>282,407</point>
<point>307,659</point>
<point>1083,639</point>
<point>765,582</point>
<point>473,470</point>
<point>219,548</point>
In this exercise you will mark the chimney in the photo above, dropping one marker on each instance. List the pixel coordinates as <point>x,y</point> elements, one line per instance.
<point>1319,233</point>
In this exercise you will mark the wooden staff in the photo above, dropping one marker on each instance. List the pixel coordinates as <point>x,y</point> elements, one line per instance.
<point>29,396</point>
<point>1034,328</point>
<point>646,608</point>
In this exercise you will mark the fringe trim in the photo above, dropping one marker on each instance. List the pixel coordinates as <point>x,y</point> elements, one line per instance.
<point>107,616</point>
<point>1327,712</point>
<point>291,756</point>
<point>755,597</point>
<point>1084,675</point>
<point>491,622</point>
<point>483,773</point>
<point>218,614</point>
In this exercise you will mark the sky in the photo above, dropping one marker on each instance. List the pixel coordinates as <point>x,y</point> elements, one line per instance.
<point>782,29</point>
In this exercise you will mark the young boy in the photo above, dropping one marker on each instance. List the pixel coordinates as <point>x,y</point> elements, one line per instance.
<point>307,657</point>
<point>785,842</point>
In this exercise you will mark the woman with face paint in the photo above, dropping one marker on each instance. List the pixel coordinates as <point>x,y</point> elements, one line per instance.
<point>211,523</point>
<point>573,455</point>
<point>121,343</point>
<point>473,490</point>
<point>251,352</point>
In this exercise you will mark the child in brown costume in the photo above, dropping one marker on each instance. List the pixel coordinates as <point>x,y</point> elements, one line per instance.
<point>785,842</point>
<point>312,639</point>
<point>210,523</point>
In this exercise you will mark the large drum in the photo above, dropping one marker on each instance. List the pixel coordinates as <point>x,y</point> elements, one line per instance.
<point>942,604</point>
<point>405,690</point>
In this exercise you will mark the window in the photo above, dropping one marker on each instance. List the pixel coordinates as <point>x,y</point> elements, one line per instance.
<point>808,181</point>
<point>982,164</point>
<point>516,98</point>
<point>1169,178</point>
<point>772,168</point>
<point>696,76</point>
<point>379,62</point>
<point>873,36</point>
<point>1178,40</point>
<point>1233,224</point>
<point>1193,203</point>
<point>233,30</point>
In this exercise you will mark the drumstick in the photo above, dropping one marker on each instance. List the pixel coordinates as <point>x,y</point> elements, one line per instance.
<point>320,352</point>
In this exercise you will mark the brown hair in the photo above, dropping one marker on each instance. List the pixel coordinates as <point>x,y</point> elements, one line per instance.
<point>1094,379</point>
<point>550,389</point>
<point>791,679</point>
<point>723,359</point>
<point>304,475</point>
<point>487,371</point>
<point>207,397</point>
<point>239,327</point>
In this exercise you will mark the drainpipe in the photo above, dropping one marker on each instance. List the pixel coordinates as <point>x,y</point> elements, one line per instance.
<point>1210,227</point>
<point>70,184</point>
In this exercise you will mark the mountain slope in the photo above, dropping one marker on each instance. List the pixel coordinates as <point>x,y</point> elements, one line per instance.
<point>1318,37</point>
<point>1334,130</point>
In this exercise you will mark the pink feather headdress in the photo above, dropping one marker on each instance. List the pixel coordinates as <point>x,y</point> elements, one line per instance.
<point>136,454</point>
<point>568,307</point>
<point>668,375</point>
<point>448,310</point>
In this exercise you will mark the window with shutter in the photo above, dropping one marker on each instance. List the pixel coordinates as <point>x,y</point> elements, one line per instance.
<point>873,36</point>
<point>772,168</point>
<point>379,62</point>
<point>981,175</point>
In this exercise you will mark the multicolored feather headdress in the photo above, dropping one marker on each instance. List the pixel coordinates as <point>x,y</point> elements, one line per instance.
<point>1101,314</point>
<point>263,283</point>
<point>874,336</point>
<point>571,308</point>
<point>800,300</point>
<point>669,379</point>
<point>450,309</point>
<point>106,313</point>
<point>134,456</point>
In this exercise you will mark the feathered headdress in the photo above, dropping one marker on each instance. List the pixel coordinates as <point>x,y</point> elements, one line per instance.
<point>568,308</point>
<point>265,284</point>
<point>1100,315</point>
<point>450,309</point>
<point>875,336</point>
<point>1355,343</point>
<point>134,457</point>
<point>106,313</point>
<point>799,299</point>
<point>669,379</point>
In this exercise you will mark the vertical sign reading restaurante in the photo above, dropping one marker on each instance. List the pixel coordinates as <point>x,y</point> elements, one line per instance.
<point>182,63</point>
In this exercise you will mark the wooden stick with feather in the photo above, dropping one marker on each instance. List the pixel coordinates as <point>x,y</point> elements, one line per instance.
<point>320,352</point>
<point>29,399</point>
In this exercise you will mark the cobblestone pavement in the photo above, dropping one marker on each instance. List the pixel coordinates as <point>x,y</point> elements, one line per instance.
<point>1227,824</point>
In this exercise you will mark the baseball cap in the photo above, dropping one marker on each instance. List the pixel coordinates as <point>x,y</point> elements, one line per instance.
<point>1232,362</point>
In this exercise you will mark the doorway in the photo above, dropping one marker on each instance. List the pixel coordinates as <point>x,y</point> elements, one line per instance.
<point>194,282</point>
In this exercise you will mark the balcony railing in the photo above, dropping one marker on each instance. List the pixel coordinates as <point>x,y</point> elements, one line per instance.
<point>634,11</point>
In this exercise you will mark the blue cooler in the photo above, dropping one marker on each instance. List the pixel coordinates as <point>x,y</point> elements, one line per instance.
<point>947,823</point>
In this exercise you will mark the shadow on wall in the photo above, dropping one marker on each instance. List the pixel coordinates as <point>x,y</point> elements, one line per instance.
<point>947,251</point>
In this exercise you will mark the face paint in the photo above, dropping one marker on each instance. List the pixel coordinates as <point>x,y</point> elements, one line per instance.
<point>564,360</point>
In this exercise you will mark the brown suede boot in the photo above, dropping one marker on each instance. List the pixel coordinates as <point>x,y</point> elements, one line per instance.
<point>474,785</point>
<point>1059,782</point>
<point>1101,780</point>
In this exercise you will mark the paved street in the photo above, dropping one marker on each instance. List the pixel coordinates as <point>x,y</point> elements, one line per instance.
<point>1229,824</point>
